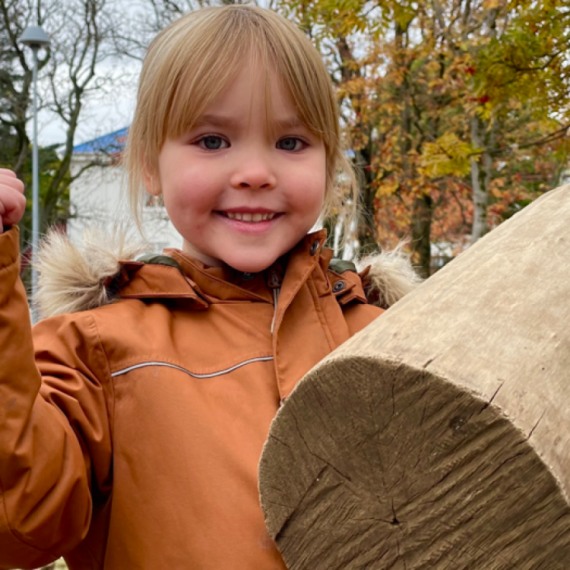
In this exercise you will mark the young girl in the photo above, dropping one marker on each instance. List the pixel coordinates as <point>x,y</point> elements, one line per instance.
<point>131,425</point>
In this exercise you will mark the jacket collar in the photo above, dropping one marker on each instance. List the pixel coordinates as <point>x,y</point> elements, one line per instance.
<point>204,285</point>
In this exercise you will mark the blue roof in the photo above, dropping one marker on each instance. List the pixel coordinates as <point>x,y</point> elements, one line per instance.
<point>111,143</point>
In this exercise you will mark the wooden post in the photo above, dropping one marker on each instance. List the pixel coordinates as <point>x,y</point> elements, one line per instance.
<point>439,436</point>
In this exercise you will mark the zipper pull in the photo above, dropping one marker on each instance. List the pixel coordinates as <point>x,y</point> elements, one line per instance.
<point>275,285</point>
<point>274,280</point>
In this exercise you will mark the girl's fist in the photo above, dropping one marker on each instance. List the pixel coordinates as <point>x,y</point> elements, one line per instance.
<point>12,200</point>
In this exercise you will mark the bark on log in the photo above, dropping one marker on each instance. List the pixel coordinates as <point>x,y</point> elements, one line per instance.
<point>438,437</point>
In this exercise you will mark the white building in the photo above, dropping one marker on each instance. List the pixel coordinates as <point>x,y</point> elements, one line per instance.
<point>99,196</point>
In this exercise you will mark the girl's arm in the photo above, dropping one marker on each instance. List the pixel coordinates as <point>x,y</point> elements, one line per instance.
<point>55,443</point>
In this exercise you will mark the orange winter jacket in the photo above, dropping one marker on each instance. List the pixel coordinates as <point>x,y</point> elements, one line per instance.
<point>131,439</point>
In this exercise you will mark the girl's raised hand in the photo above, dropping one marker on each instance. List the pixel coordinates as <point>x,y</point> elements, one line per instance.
<point>12,200</point>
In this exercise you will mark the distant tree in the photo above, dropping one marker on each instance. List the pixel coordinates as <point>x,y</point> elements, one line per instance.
<point>70,73</point>
<point>15,85</point>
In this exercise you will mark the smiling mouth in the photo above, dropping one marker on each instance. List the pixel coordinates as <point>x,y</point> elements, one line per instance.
<point>248,217</point>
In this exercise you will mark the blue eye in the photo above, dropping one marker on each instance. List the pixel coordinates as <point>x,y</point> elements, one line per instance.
<point>212,142</point>
<point>291,144</point>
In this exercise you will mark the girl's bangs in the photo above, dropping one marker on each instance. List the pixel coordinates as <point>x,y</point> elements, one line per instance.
<point>215,54</point>
<point>197,86</point>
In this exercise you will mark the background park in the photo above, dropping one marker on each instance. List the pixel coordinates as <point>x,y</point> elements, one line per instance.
<point>456,113</point>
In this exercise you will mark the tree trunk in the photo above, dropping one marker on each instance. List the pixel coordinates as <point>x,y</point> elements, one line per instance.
<point>439,436</point>
<point>367,232</point>
<point>480,179</point>
<point>421,234</point>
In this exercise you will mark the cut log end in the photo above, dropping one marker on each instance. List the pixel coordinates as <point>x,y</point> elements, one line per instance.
<point>382,466</point>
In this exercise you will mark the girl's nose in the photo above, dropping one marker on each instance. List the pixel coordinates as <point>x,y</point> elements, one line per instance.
<point>254,174</point>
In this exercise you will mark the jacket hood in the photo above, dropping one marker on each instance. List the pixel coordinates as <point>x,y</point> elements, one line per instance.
<point>73,279</point>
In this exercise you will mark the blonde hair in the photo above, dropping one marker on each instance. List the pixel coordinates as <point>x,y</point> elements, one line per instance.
<point>193,60</point>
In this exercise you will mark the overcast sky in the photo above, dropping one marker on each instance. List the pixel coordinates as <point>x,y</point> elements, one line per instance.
<point>109,111</point>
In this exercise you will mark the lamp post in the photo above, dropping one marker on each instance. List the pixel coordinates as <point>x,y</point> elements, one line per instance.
<point>35,38</point>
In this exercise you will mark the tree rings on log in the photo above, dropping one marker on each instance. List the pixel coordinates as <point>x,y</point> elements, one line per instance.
<point>384,467</point>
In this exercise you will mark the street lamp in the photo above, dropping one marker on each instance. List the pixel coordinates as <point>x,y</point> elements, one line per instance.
<point>35,38</point>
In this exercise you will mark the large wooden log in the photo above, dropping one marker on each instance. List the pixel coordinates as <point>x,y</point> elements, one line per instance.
<point>438,437</point>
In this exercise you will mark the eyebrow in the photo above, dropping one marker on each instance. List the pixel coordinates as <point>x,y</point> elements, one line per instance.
<point>223,121</point>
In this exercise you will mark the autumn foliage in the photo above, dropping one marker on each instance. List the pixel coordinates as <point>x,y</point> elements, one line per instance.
<point>457,111</point>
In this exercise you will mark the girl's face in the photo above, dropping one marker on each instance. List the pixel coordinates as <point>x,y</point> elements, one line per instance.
<point>238,190</point>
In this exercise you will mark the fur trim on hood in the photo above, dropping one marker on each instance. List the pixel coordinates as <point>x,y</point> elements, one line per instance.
<point>72,279</point>
<point>390,277</point>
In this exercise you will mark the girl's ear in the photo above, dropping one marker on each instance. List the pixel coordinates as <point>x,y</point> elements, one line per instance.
<point>151,181</point>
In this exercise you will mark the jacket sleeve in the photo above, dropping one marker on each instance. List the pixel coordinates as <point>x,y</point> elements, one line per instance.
<point>55,442</point>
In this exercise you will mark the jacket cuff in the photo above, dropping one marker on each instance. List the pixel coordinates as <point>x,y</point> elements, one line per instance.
<point>10,247</point>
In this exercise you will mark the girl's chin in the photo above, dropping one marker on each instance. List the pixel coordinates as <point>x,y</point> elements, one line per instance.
<point>250,264</point>
<point>242,261</point>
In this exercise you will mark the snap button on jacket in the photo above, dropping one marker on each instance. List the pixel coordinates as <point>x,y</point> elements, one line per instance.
<point>130,433</point>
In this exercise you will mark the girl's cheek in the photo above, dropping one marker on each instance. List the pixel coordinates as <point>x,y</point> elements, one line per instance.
<point>197,193</point>
<point>311,184</point>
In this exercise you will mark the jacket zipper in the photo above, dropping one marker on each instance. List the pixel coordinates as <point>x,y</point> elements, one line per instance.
<point>275,285</point>
<point>275,299</point>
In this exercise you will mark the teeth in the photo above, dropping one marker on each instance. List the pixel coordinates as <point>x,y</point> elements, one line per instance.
<point>249,217</point>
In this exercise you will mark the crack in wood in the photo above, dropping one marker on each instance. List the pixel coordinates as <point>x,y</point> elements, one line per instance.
<point>487,404</point>
<point>299,502</point>
<point>301,435</point>
<point>535,425</point>
<point>395,521</point>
